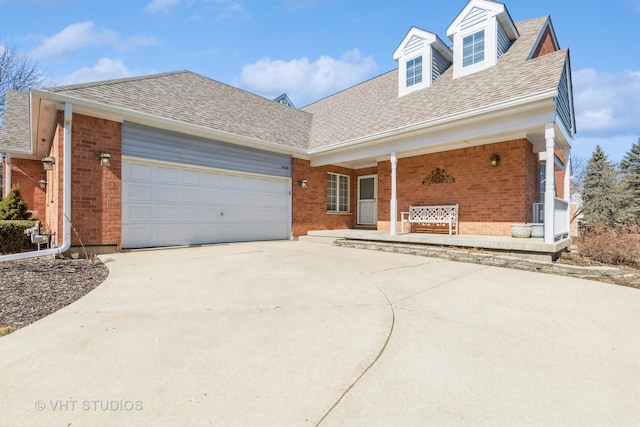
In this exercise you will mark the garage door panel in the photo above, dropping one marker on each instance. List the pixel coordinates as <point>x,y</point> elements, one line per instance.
<point>166,205</point>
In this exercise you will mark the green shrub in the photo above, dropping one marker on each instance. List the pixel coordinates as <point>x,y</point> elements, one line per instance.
<point>12,237</point>
<point>13,207</point>
<point>611,246</point>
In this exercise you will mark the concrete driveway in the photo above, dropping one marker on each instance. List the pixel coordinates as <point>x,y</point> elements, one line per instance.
<point>300,334</point>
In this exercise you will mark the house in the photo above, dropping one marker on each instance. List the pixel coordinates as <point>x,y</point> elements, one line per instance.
<point>178,158</point>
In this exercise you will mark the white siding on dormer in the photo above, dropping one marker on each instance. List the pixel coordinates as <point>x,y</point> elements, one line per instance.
<point>474,17</point>
<point>503,41</point>
<point>414,45</point>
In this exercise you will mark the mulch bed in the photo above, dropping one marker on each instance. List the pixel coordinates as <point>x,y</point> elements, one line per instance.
<point>33,288</point>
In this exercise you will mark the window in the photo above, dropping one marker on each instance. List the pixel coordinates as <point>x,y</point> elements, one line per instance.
<point>473,49</point>
<point>414,71</point>
<point>337,193</point>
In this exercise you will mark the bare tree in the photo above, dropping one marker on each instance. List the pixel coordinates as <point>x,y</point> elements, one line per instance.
<point>17,72</point>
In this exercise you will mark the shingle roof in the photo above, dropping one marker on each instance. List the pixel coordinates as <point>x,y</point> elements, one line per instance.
<point>15,131</point>
<point>374,106</point>
<point>364,110</point>
<point>194,99</point>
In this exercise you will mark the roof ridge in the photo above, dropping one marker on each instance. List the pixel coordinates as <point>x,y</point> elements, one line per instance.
<point>114,81</point>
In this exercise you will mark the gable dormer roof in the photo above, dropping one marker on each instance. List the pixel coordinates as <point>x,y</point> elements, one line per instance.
<point>480,10</point>
<point>415,37</point>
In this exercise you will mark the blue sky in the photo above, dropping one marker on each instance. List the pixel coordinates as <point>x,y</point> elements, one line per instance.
<point>313,48</point>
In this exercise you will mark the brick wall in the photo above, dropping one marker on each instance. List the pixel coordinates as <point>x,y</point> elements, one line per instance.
<point>27,174</point>
<point>310,204</point>
<point>545,45</point>
<point>490,198</point>
<point>96,192</point>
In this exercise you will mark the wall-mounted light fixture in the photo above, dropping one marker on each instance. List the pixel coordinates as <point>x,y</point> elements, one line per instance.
<point>494,160</point>
<point>42,183</point>
<point>303,183</point>
<point>48,163</point>
<point>105,160</point>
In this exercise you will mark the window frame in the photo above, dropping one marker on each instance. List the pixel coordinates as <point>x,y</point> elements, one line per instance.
<point>416,78</point>
<point>340,199</point>
<point>477,47</point>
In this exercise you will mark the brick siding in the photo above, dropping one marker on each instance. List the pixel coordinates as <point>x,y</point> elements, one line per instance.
<point>26,174</point>
<point>96,192</point>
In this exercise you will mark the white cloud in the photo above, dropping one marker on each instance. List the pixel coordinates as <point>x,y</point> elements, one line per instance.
<point>607,103</point>
<point>73,37</point>
<point>305,81</point>
<point>136,42</point>
<point>104,69</point>
<point>156,6</point>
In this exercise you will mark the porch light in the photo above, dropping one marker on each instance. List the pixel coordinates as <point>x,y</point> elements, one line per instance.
<point>494,160</point>
<point>303,183</point>
<point>48,163</point>
<point>43,184</point>
<point>105,160</point>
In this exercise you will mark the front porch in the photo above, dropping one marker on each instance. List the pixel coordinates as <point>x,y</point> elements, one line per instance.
<point>526,247</point>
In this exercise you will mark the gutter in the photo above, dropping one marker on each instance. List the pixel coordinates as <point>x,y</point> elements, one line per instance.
<point>66,198</point>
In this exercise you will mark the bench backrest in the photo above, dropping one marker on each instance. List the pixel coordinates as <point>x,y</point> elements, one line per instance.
<point>433,213</point>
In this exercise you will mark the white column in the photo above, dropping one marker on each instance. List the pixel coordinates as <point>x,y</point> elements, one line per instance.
<point>6,187</point>
<point>567,187</point>
<point>550,187</point>
<point>394,201</point>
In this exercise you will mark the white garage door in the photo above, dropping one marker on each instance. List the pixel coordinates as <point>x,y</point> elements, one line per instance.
<point>166,204</point>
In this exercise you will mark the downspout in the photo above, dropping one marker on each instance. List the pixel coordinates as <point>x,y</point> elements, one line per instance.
<point>7,175</point>
<point>66,197</point>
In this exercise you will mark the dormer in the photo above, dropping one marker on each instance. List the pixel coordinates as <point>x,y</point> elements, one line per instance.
<point>481,34</point>
<point>422,57</point>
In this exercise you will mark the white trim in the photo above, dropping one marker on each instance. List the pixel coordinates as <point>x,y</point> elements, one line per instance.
<point>393,217</point>
<point>205,168</point>
<point>338,211</point>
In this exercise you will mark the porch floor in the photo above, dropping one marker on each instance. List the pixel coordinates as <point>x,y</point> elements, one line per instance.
<point>496,243</point>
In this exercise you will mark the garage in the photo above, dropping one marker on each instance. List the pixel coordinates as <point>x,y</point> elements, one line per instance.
<point>184,190</point>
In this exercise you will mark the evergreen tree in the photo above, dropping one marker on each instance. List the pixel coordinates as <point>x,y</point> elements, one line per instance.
<point>13,207</point>
<point>601,194</point>
<point>630,167</point>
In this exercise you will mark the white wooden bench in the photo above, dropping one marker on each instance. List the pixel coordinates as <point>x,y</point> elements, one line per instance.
<point>445,214</point>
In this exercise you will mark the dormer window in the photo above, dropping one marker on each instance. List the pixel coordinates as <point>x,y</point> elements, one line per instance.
<point>473,49</point>
<point>422,58</point>
<point>481,34</point>
<point>414,71</point>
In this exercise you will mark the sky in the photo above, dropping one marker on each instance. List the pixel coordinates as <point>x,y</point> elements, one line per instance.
<point>310,49</point>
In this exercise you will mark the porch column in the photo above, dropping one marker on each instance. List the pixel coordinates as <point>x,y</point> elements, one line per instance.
<point>550,187</point>
<point>567,187</point>
<point>394,202</point>
<point>6,186</point>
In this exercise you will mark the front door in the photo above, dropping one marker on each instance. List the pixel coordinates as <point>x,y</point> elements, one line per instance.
<point>367,203</point>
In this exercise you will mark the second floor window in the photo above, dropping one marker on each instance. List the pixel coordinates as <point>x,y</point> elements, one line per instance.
<point>414,71</point>
<point>473,49</point>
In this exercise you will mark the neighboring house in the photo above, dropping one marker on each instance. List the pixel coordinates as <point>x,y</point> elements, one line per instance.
<point>193,160</point>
